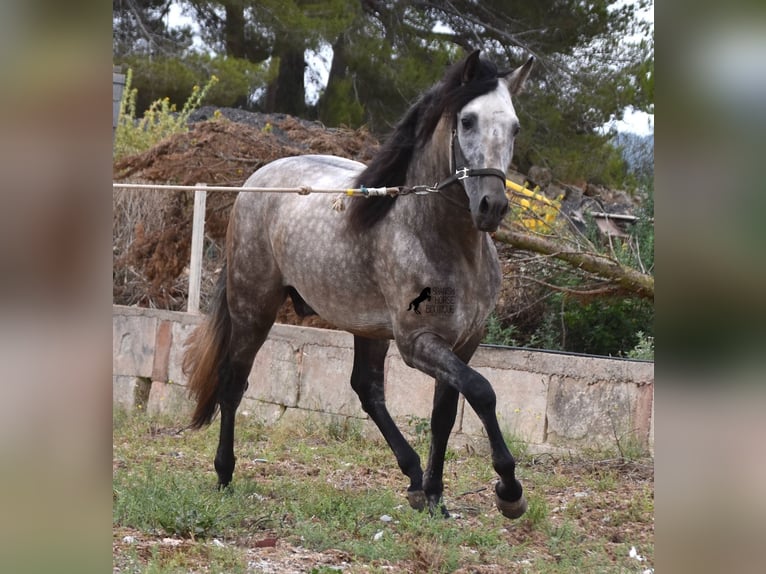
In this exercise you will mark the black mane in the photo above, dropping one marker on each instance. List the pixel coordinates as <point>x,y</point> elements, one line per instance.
<point>389,166</point>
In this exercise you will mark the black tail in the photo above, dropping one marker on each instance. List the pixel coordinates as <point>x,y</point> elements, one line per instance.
<point>206,350</point>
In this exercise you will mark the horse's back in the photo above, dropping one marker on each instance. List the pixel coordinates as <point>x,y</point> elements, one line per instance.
<point>272,215</point>
<point>317,171</point>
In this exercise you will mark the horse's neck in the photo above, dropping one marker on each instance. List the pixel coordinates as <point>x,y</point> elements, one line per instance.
<point>449,213</point>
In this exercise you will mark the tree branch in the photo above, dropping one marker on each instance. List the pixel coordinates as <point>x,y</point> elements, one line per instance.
<point>627,278</point>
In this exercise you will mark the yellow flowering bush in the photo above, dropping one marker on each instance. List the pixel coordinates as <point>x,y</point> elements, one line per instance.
<point>161,120</point>
<point>534,211</point>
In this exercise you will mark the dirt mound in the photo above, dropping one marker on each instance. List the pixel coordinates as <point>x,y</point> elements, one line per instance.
<point>226,152</point>
<point>152,229</point>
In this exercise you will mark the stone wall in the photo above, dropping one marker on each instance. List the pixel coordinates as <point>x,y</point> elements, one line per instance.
<point>551,400</point>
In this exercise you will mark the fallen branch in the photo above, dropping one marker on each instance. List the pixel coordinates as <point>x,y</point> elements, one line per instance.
<point>627,278</point>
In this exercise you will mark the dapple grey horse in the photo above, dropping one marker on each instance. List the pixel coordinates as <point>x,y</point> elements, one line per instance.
<point>458,138</point>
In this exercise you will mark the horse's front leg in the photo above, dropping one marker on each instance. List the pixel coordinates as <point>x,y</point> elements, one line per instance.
<point>431,354</point>
<point>367,380</point>
<point>442,420</point>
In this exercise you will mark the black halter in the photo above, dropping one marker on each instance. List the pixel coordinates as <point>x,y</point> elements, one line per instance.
<point>459,169</point>
<point>461,172</point>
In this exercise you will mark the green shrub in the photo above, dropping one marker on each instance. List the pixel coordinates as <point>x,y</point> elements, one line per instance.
<point>174,78</point>
<point>161,120</point>
<point>497,334</point>
<point>607,326</point>
<point>644,348</point>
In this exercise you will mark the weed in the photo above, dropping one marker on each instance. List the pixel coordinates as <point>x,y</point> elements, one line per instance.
<point>518,446</point>
<point>605,482</point>
<point>497,334</point>
<point>640,508</point>
<point>563,539</point>
<point>345,429</point>
<point>644,348</point>
<point>629,445</point>
<point>537,512</point>
<point>420,429</point>
<point>161,120</point>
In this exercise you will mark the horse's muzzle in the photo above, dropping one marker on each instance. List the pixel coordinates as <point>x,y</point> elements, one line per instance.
<point>490,212</point>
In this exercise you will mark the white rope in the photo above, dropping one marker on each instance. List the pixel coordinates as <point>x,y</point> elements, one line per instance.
<point>302,190</point>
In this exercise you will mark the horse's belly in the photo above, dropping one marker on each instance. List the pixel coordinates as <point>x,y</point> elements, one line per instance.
<point>352,306</point>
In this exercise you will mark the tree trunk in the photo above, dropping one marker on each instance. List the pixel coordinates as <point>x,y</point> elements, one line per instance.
<point>287,93</point>
<point>234,30</point>
<point>338,69</point>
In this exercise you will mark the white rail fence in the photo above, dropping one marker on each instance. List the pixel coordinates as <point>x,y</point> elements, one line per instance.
<point>200,197</point>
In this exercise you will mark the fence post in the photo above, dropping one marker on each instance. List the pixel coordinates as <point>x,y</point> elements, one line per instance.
<point>198,236</point>
<point>118,86</point>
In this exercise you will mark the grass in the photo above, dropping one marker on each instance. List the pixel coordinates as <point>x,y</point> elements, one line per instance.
<point>323,497</point>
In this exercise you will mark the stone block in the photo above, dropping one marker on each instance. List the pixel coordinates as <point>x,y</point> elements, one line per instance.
<point>300,336</point>
<point>566,364</point>
<point>162,344</point>
<point>275,377</point>
<point>169,399</point>
<point>409,393</point>
<point>582,413</point>
<point>325,381</point>
<point>521,404</point>
<point>133,342</point>
<point>180,334</point>
<point>302,374</point>
<point>651,426</point>
<point>263,413</point>
<point>128,392</point>
<point>643,415</point>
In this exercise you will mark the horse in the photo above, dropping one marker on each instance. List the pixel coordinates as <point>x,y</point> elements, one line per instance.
<point>461,133</point>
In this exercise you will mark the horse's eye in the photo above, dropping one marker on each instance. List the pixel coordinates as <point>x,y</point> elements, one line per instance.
<point>516,130</point>
<point>466,122</point>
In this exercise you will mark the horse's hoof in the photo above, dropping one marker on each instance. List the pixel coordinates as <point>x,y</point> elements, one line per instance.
<point>440,510</point>
<point>417,499</point>
<point>437,508</point>
<point>511,509</point>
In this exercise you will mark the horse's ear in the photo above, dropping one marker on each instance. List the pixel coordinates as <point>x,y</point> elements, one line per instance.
<point>470,66</point>
<point>515,80</point>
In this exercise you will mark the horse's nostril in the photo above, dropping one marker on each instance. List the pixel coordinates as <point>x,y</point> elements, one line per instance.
<point>484,205</point>
<point>506,209</point>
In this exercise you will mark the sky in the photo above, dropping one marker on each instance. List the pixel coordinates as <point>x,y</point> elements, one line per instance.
<point>634,120</point>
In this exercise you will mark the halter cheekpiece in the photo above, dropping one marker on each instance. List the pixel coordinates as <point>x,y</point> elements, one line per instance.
<point>459,172</point>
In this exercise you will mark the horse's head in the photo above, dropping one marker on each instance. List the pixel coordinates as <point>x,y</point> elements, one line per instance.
<point>483,139</point>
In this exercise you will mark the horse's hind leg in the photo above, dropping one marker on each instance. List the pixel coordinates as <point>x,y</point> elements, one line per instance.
<point>367,381</point>
<point>442,420</point>
<point>249,330</point>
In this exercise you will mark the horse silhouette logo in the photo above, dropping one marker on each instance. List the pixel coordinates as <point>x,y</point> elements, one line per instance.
<point>425,295</point>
